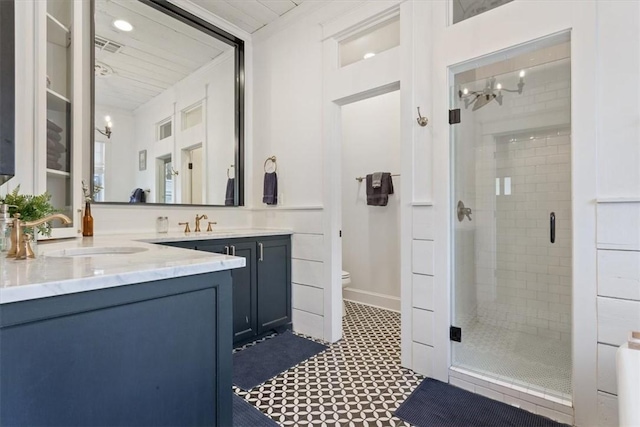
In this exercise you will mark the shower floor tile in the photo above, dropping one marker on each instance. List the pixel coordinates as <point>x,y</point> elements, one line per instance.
<point>357,381</point>
<point>537,363</point>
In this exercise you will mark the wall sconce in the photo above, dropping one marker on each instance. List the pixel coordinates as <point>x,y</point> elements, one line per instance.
<point>107,127</point>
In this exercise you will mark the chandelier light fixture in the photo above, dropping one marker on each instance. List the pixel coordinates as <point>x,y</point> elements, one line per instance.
<point>492,90</point>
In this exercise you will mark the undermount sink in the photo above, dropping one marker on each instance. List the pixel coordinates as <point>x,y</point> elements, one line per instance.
<point>96,252</point>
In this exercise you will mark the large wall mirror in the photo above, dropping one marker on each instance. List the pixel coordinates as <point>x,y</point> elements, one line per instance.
<point>168,107</point>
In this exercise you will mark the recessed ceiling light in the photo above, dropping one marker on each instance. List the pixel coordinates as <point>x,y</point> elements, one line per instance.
<point>369,55</point>
<point>122,25</point>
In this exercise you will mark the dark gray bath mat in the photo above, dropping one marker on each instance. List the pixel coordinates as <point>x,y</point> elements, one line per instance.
<point>247,415</point>
<point>257,364</point>
<point>435,403</point>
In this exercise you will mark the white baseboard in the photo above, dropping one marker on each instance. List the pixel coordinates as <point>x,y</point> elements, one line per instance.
<point>374,299</point>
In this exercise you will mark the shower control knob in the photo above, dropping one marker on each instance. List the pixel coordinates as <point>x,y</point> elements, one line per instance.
<point>463,211</point>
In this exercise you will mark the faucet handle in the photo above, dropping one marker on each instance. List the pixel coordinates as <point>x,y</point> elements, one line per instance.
<point>209,225</point>
<point>186,226</point>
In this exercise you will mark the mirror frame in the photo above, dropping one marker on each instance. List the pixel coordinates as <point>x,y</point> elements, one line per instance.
<point>183,16</point>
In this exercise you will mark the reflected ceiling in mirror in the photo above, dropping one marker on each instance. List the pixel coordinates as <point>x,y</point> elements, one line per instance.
<point>168,107</point>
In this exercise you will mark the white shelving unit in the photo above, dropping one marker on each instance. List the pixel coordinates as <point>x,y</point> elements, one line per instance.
<point>59,108</point>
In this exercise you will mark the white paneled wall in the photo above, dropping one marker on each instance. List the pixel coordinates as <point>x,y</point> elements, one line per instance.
<point>422,290</point>
<point>307,265</point>
<point>618,295</point>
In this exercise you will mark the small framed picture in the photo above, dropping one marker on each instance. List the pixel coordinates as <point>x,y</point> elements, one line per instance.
<point>142,160</point>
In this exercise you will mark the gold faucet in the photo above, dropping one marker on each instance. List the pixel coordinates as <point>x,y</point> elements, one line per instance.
<point>209,225</point>
<point>198,218</point>
<point>186,226</point>
<point>20,247</point>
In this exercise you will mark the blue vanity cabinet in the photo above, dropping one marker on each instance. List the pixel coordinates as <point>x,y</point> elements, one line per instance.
<point>148,354</point>
<point>262,289</point>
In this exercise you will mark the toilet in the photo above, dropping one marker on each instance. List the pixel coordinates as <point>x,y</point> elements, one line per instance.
<point>346,279</point>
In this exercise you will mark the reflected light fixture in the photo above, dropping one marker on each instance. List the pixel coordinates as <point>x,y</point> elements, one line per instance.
<point>122,25</point>
<point>107,127</point>
<point>492,90</point>
<point>369,55</point>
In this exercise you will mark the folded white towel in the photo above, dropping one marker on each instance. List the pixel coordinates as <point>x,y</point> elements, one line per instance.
<point>376,181</point>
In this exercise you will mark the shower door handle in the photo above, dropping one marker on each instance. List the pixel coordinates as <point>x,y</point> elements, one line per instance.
<point>552,227</point>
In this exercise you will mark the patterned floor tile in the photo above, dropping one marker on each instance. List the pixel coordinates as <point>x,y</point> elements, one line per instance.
<point>357,381</point>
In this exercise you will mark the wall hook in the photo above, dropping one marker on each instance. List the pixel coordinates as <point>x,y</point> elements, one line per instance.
<point>422,121</point>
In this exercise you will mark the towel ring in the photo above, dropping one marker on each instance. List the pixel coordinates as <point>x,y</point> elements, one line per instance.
<point>271,159</point>
<point>228,169</point>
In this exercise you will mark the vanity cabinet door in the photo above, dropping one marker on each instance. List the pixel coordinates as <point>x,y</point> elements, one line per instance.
<point>274,283</point>
<point>244,287</point>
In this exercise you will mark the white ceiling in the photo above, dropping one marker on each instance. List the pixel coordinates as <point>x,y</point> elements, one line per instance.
<point>158,53</point>
<point>249,15</point>
<point>161,51</point>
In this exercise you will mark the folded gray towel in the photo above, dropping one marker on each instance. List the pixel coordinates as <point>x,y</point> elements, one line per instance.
<point>376,180</point>
<point>229,197</point>
<point>270,194</point>
<point>54,127</point>
<point>53,135</point>
<point>379,196</point>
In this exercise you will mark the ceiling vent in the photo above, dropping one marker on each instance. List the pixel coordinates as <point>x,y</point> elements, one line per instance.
<point>107,45</point>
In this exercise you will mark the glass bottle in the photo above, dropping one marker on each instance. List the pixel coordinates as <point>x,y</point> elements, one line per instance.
<point>162,224</point>
<point>87,221</point>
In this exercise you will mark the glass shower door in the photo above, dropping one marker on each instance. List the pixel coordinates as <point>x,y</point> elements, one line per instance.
<point>511,206</point>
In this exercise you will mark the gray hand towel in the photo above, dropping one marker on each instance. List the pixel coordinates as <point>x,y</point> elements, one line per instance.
<point>270,194</point>
<point>379,196</point>
<point>229,197</point>
<point>376,180</point>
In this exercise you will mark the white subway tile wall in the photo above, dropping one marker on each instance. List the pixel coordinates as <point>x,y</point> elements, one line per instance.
<point>531,289</point>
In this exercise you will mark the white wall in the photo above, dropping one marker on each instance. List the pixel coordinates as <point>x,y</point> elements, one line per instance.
<point>121,155</point>
<point>370,234</point>
<point>287,111</point>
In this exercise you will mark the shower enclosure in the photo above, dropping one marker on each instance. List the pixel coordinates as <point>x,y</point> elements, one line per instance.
<point>511,206</point>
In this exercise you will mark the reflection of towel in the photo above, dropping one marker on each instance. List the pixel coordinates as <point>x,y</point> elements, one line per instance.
<point>230,193</point>
<point>270,194</point>
<point>379,196</point>
<point>54,146</point>
<point>54,127</point>
<point>53,135</point>
<point>138,196</point>
<point>376,181</point>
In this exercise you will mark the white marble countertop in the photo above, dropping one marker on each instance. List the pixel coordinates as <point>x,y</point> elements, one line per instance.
<point>219,233</point>
<point>52,273</point>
